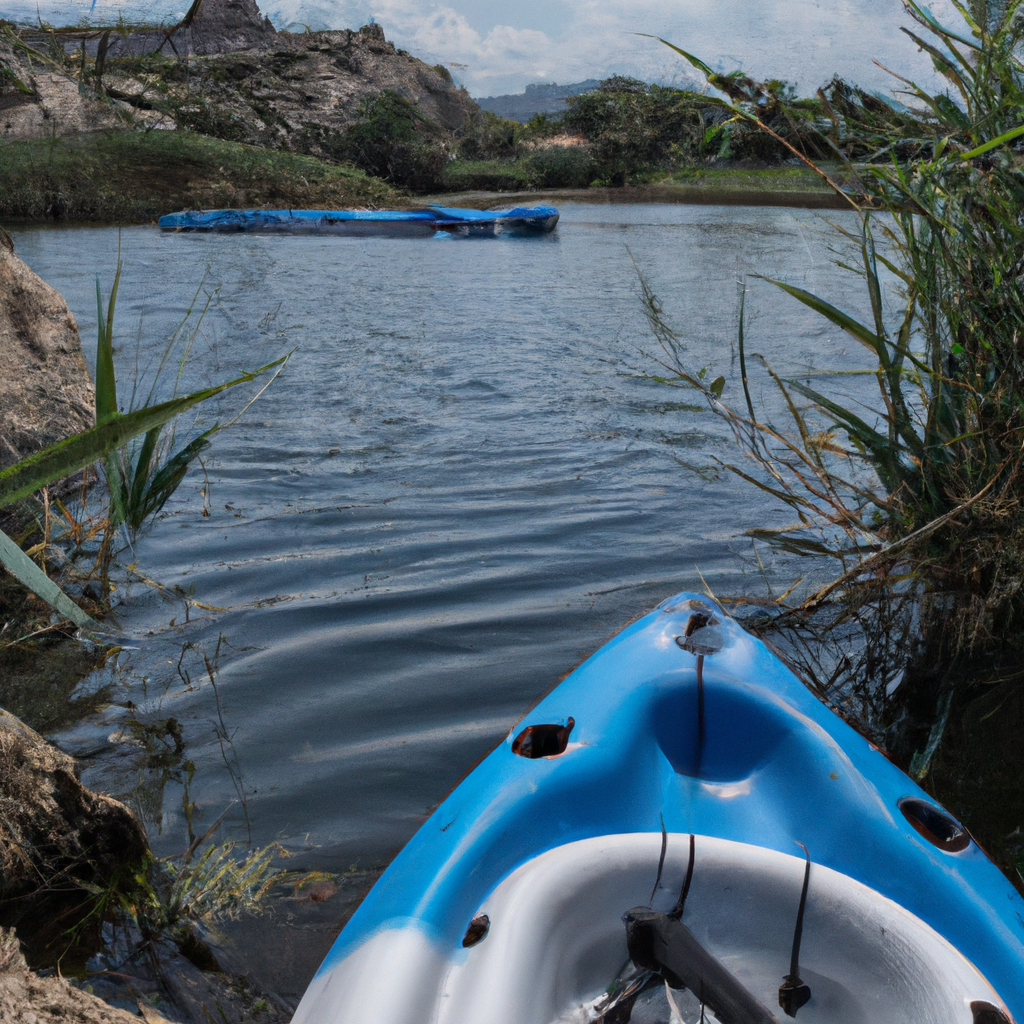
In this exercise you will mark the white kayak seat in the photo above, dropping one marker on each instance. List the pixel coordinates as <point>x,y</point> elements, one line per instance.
<point>555,939</point>
<point>556,936</point>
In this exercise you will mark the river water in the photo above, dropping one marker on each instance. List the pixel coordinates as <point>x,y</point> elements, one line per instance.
<point>461,484</point>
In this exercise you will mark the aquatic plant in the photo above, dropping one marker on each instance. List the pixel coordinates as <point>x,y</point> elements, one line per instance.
<point>170,896</point>
<point>920,500</point>
<point>138,486</point>
<point>142,475</point>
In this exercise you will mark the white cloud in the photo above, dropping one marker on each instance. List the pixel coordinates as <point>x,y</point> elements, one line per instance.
<point>801,40</point>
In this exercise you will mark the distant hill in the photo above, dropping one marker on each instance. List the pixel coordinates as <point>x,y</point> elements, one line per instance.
<point>537,99</point>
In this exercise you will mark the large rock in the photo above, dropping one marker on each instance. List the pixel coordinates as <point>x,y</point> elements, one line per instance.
<point>221,26</point>
<point>26,998</point>
<point>56,834</point>
<point>45,390</point>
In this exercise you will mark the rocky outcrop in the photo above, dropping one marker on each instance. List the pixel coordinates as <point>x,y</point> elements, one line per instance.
<point>209,26</point>
<point>299,92</point>
<point>222,26</point>
<point>243,81</point>
<point>57,836</point>
<point>45,390</point>
<point>39,100</point>
<point>26,998</point>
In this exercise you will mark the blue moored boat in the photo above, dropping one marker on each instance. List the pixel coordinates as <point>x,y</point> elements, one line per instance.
<point>681,831</point>
<point>520,220</point>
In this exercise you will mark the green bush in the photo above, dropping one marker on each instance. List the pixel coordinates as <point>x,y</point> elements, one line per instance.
<point>632,126</point>
<point>561,167</point>
<point>489,138</point>
<point>487,176</point>
<point>540,126</point>
<point>393,141</point>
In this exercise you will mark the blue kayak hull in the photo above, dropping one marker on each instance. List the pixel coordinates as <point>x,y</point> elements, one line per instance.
<point>520,220</point>
<point>653,740</point>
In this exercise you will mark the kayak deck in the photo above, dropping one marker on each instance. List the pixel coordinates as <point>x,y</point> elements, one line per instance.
<point>507,905</point>
<point>423,223</point>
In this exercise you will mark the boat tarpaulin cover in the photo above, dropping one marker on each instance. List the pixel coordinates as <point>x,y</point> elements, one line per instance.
<point>529,218</point>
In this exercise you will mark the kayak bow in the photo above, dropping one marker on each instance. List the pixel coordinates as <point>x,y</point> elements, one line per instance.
<point>766,858</point>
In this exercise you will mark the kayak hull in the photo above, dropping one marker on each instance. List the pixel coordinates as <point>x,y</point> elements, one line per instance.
<point>425,223</point>
<point>744,759</point>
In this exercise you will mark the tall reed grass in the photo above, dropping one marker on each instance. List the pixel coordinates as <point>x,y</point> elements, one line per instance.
<point>918,501</point>
<point>140,477</point>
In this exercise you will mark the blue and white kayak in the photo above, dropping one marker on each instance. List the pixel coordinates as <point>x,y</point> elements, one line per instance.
<point>520,220</point>
<point>681,831</point>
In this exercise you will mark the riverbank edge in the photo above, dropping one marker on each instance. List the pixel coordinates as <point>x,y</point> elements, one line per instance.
<point>132,178</point>
<point>126,178</point>
<point>668,193</point>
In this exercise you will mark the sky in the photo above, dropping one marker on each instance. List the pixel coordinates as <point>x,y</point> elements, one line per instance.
<point>495,46</point>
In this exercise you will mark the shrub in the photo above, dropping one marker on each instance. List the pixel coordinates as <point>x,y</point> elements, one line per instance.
<point>487,176</point>
<point>391,140</point>
<point>489,138</point>
<point>631,126</point>
<point>919,500</point>
<point>561,167</point>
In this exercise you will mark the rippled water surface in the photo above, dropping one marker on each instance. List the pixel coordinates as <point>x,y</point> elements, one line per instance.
<point>462,483</point>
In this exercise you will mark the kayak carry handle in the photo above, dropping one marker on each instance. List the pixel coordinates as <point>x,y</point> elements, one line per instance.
<point>548,740</point>
<point>935,825</point>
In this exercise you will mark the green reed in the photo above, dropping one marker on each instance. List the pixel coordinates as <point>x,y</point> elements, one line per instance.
<point>140,477</point>
<point>919,502</point>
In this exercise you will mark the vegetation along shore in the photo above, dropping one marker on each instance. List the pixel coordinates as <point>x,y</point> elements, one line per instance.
<point>122,124</point>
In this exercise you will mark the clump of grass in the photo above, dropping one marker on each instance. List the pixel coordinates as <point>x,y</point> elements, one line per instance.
<point>170,895</point>
<point>918,501</point>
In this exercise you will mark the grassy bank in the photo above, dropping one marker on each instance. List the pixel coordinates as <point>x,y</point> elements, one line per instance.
<point>567,168</point>
<point>132,177</point>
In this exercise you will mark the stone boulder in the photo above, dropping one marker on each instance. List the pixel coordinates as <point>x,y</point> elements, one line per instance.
<point>26,998</point>
<point>57,835</point>
<point>223,26</point>
<point>45,390</point>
